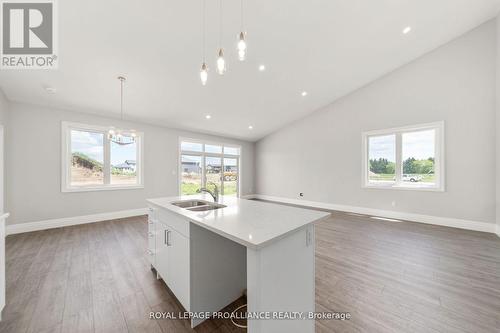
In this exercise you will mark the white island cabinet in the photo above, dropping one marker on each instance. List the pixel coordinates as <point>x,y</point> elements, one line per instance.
<point>172,255</point>
<point>210,258</point>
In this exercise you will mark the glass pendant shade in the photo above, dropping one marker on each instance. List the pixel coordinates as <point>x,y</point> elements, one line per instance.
<point>204,74</point>
<point>242,47</point>
<point>221,63</point>
<point>122,139</point>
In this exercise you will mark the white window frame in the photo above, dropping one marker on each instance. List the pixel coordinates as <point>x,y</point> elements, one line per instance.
<point>203,154</point>
<point>66,161</point>
<point>439,158</point>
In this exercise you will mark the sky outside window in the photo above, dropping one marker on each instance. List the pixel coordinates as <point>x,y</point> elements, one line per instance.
<point>88,143</point>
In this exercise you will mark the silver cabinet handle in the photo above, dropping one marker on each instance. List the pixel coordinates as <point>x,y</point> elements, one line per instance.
<point>150,252</point>
<point>165,235</point>
<point>309,237</point>
<point>150,234</point>
<point>168,238</point>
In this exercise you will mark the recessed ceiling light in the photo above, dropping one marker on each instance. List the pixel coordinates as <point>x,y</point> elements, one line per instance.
<point>208,116</point>
<point>250,127</point>
<point>51,90</point>
<point>304,94</point>
<point>406,30</point>
<point>262,68</point>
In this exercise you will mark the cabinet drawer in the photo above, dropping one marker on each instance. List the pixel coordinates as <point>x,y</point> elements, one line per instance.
<point>152,214</point>
<point>151,226</point>
<point>151,256</point>
<point>151,240</point>
<point>151,235</point>
<point>179,224</point>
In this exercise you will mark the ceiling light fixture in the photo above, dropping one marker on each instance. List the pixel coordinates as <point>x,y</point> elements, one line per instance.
<point>118,136</point>
<point>204,68</point>
<point>250,127</point>
<point>406,30</point>
<point>51,90</point>
<point>208,116</point>
<point>221,62</point>
<point>242,45</point>
<point>204,74</point>
<point>262,68</point>
<point>304,94</point>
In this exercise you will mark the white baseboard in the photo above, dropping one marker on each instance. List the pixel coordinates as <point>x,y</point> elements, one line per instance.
<point>74,220</point>
<point>428,219</point>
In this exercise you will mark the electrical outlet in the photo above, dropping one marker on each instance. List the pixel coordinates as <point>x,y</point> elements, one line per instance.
<point>301,194</point>
<point>393,203</point>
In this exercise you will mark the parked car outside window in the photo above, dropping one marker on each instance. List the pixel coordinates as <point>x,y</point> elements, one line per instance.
<point>412,178</point>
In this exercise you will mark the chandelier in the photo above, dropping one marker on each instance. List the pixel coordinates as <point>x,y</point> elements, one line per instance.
<point>119,136</point>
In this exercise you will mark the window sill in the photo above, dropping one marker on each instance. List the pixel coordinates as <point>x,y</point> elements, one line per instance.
<point>388,186</point>
<point>101,188</point>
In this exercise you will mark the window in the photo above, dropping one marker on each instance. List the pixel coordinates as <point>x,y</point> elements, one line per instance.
<point>208,164</point>
<point>87,158</point>
<point>406,158</point>
<point>93,161</point>
<point>382,157</point>
<point>123,163</point>
<point>191,174</point>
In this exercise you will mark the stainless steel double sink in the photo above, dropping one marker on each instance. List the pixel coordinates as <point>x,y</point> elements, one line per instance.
<point>197,205</point>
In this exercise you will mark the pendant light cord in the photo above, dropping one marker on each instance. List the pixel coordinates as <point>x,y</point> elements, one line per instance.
<point>241,21</point>
<point>220,23</point>
<point>204,29</point>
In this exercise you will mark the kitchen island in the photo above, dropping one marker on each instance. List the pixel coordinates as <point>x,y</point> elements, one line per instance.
<point>210,254</point>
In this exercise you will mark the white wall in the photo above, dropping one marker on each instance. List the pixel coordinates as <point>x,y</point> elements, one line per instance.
<point>34,166</point>
<point>320,155</point>
<point>4,118</point>
<point>4,105</point>
<point>498,126</point>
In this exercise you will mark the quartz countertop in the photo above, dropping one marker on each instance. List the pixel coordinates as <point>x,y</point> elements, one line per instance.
<point>254,224</point>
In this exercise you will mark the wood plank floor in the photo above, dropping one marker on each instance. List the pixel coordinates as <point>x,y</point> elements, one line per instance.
<point>390,276</point>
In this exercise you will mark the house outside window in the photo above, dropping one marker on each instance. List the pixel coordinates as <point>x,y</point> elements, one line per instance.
<point>205,164</point>
<point>92,160</point>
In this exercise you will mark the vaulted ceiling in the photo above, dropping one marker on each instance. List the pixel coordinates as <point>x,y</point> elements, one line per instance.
<point>327,48</point>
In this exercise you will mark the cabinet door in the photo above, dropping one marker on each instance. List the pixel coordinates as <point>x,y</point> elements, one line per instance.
<point>161,253</point>
<point>178,267</point>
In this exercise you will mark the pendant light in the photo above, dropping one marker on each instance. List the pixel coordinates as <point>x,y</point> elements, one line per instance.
<point>221,62</point>
<point>204,68</point>
<point>242,45</point>
<point>118,136</point>
<point>204,73</point>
